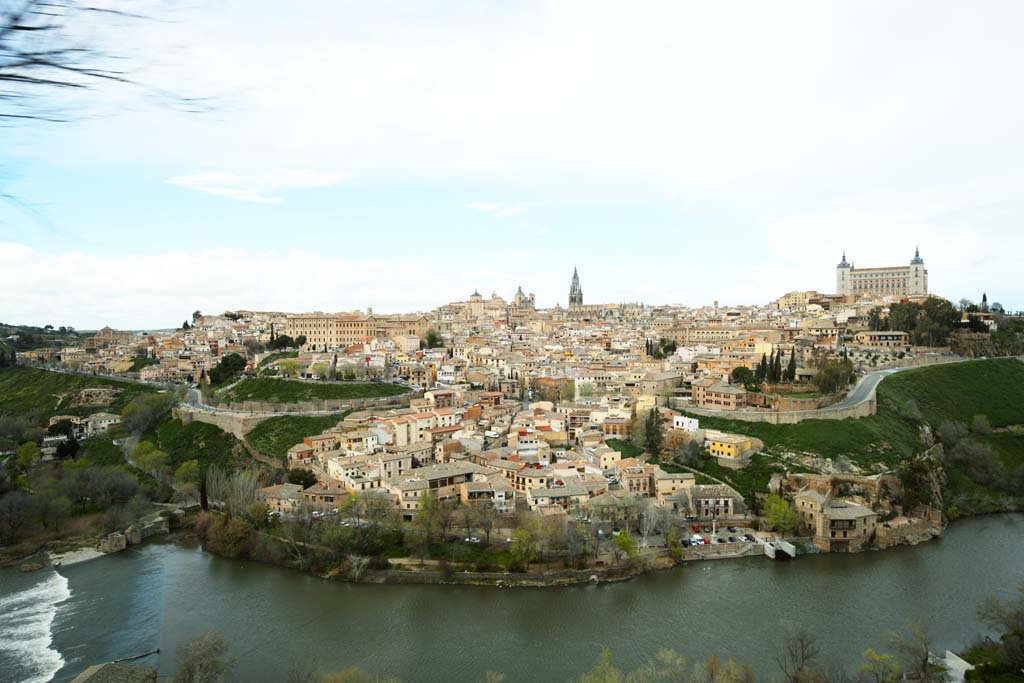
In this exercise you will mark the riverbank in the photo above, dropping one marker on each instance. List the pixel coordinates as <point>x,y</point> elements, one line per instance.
<point>159,594</point>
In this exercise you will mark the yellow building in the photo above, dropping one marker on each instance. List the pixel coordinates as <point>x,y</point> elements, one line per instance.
<point>722,445</point>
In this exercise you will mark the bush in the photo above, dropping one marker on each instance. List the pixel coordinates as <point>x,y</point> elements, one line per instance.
<point>229,536</point>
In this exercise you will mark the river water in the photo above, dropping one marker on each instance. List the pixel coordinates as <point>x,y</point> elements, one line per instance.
<point>53,625</point>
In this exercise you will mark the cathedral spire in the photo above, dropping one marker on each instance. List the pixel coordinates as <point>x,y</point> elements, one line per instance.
<point>575,291</point>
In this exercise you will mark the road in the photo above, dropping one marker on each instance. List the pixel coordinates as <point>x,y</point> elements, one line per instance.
<point>864,389</point>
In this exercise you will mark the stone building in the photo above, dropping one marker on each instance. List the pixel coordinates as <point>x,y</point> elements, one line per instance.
<point>894,281</point>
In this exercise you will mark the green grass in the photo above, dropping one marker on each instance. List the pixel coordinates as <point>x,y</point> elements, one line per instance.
<point>627,448</point>
<point>1009,446</point>
<point>271,390</point>
<point>41,394</point>
<point>280,355</point>
<point>276,435</point>
<point>197,440</point>
<point>959,391</point>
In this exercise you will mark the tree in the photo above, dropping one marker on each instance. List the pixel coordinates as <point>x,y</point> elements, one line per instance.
<point>654,432</point>
<point>1007,618</point>
<point>791,367</point>
<point>486,518</point>
<point>301,476</point>
<point>913,650</point>
<point>202,659</point>
<point>16,509</point>
<point>230,366</point>
<point>876,321</point>
<point>796,658</point>
<point>188,472</point>
<point>433,340</point>
<point>879,668</point>
<point>150,459</point>
<point>567,392</point>
<point>625,546</point>
<point>761,374</point>
<point>28,455</point>
<point>146,411</point>
<point>604,671</point>
<point>741,374</point>
<point>523,550</point>
<point>781,515</point>
<point>53,511</point>
<point>834,375</point>
<point>68,448</point>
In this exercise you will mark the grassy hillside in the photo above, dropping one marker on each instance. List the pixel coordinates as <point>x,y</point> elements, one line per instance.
<point>959,391</point>
<point>197,441</point>
<point>280,355</point>
<point>286,391</point>
<point>276,435</point>
<point>39,394</point>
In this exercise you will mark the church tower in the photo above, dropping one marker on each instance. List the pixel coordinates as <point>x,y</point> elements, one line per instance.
<point>917,282</point>
<point>575,291</point>
<point>843,285</point>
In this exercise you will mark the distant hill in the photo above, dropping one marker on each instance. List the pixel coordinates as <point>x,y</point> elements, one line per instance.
<point>28,337</point>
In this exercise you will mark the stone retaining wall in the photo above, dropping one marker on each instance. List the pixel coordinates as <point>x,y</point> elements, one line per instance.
<point>790,417</point>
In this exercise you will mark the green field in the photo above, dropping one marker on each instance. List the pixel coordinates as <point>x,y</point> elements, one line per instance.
<point>39,394</point>
<point>275,436</point>
<point>269,390</point>
<point>958,391</point>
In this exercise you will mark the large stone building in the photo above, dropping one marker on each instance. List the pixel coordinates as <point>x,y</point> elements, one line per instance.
<point>895,281</point>
<point>325,332</point>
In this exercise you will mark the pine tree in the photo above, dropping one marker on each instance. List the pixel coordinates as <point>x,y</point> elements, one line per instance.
<point>654,434</point>
<point>984,302</point>
<point>762,370</point>
<point>777,369</point>
<point>791,368</point>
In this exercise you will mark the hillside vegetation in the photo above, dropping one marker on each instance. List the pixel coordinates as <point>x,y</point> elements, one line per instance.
<point>39,394</point>
<point>270,390</point>
<point>275,436</point>
<point>985,469</point>
<point>197,441</point>
<point>931,395</point>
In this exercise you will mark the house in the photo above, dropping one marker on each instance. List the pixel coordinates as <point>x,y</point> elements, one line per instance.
<point>718,395</point>
<point>284,498</point>
<point>722,445</point>
<point>687,424</point>
<point>837,525</point>
<point>565,497</point>
<point>715,501</point>
<point>325,495</point>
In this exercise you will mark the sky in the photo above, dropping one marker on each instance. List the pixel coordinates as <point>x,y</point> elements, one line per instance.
<point>399,155</point>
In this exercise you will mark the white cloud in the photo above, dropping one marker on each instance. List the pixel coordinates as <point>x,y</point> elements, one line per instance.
<point>253,187</point>
<point>497,210</point>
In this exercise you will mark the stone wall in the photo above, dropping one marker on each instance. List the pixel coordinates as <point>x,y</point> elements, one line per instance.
<point>790,417</point>
<point>236,424</point>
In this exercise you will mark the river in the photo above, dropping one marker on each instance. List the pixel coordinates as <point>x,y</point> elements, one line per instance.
<point>52,625</point>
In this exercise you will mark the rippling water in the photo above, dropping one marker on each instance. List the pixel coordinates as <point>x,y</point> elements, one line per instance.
<point>27,615</point>
<point>158,595</point>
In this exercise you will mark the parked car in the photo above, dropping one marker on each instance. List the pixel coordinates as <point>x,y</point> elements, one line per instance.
<point>732,530</point>
<point>472,539</point>
<point>696,528</point>
<point>721,540</point>
<point>732,539</point>
<point>707,529</point>
<point>684,543</point>
<point>750,537</point>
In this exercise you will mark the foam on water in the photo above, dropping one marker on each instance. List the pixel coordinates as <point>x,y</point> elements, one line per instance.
<point>26,634</point>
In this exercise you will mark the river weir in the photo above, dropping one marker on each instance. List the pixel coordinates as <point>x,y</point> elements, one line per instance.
<point>153,596</point>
